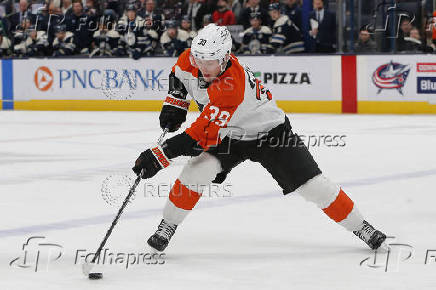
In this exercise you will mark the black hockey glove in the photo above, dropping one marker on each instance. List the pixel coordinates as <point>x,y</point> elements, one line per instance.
<point>173,113</point>
<point>150,162</point>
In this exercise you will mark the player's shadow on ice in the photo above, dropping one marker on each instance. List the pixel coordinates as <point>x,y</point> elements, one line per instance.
<point>270,252</point>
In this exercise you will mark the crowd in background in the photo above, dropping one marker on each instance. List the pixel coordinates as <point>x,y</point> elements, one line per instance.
<point>167,27</point>
<point>410,39</point>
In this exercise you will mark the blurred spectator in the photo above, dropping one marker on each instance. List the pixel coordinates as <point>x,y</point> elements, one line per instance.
<point>82,26</point>
<point>172,9</point>
<point>413,43</point>
<point>365,44</point>
<point>63,43</point>
<point>24,13</point>
<point>433,32</point>
<point>21,37</point>
<point>67,8</point>
<point>40,45</point>
<point>106,38</point>
<point>196,10</point>
<point>323,28</point>
<point>36,43</point>
<point>5,44</point>
<point>294,12</point>
<point>237,7</point>
<point>135,39</point>
<point>174,40</point>
<point>186,26</point>
<point>223,15</point>
<point>5,26</point>
<point>405,28</point>
<point>150,40</point>
<point>207,19</point>
<point>146,8</point>
<point>42,19</point>
<point>253,6</point>
<point>286,37</point>
<point>114,5</point>
<point>92,9</point>
<point>53,18</point>
<point>148,12</point>
<point>256,39</point>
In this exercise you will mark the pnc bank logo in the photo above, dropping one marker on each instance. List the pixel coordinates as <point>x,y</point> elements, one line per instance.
<point>43,78</point>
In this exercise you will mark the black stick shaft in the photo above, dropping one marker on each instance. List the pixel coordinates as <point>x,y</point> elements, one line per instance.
<point>114,222</point>
<point>123,206</point>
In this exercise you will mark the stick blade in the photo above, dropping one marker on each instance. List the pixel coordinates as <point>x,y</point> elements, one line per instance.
<point>87,268</point>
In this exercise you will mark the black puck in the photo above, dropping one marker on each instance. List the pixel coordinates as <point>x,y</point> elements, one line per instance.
<point>95,276</point>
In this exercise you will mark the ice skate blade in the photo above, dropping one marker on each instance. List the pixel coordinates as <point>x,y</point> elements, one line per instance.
<point>153,250</point>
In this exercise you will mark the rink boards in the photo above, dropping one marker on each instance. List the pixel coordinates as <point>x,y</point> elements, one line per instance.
<point>306,84</point>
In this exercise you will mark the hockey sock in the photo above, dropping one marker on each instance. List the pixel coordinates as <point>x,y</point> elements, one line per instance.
<point>333,201</point>
<point>181,201</point>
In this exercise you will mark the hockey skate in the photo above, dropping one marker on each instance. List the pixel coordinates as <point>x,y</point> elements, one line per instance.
<point>372,237</point>
<point>160,239</point>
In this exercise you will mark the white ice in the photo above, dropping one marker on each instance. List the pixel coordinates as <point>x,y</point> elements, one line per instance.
<point>52,165</point>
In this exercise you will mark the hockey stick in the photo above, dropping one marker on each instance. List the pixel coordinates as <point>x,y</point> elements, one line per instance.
<point>87,267</point>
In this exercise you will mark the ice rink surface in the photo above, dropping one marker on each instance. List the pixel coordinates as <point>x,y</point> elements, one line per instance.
<point>246,236</point>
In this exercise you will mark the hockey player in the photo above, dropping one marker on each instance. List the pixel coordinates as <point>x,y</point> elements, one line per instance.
<point>256,39</point>
<point>233,98</point>
<point>286,36</point>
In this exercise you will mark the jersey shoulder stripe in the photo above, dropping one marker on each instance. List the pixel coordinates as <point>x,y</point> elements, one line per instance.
<point>184,63</point>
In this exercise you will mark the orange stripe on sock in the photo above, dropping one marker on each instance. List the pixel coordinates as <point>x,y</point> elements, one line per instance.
<point>183,197</point>
<point>340,208</point>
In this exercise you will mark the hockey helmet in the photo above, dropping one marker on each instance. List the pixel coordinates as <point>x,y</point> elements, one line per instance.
<point>212,43</point>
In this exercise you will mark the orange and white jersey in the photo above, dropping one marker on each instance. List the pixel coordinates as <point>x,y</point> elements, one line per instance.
<point>236,104</point>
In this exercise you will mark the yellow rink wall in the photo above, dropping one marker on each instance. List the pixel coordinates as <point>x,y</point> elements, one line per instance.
<point>154,105</point>
<point>381,84</point>
<point>374,107</point>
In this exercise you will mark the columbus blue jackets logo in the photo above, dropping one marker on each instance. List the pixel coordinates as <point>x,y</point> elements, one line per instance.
<point>391,76</point>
